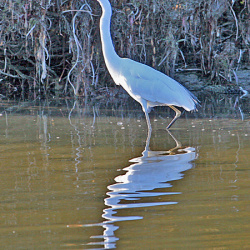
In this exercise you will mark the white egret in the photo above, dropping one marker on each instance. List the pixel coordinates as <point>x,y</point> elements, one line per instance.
<point>146,85</point>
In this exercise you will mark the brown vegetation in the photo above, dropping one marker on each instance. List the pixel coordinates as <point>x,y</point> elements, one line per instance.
<point>48,45</point>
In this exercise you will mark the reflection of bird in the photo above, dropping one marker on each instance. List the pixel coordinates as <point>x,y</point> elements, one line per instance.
<point>148,176</point>
<point>146,85</point>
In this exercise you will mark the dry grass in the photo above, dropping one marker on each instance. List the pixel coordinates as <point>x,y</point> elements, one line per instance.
<point>50,45</point>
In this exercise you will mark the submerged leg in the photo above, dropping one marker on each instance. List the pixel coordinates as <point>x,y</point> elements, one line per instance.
<point>177,115</point>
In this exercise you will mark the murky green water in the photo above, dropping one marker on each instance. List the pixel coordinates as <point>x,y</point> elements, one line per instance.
<point>75,176</point>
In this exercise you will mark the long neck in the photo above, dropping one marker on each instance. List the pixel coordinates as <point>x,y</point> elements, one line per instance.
<point>110,56</point>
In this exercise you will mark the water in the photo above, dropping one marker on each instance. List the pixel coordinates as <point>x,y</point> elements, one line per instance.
<point>85,176</point>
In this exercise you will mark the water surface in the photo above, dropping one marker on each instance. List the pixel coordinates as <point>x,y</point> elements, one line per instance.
<point>80,176</point>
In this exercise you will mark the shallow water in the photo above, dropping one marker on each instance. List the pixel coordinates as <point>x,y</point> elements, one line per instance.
<point>78,176</point>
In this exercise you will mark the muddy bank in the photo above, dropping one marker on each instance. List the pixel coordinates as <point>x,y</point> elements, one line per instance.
<point>195,82</point>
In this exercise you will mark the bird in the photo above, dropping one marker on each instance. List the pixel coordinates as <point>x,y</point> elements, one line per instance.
<point>143,83</point>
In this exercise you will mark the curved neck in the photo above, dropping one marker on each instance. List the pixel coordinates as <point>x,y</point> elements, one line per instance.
<point>108,49</point>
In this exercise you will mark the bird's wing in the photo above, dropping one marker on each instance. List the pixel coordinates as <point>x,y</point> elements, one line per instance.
<point>155,86</point>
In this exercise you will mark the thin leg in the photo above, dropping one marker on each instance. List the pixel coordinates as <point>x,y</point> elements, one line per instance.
<point>177,115</point>
<point>146,110</point>
<point>149,124</point>
<point>145,152</point>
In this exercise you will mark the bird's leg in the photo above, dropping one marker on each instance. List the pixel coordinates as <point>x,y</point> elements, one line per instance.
<point>177,115</point>
<point>149,124</point>
<point>146,110</point>
<point>145,152</point>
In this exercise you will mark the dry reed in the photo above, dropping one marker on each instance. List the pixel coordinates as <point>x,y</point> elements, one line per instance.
<point>49,45</point>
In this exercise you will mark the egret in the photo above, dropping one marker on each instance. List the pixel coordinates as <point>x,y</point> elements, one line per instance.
<point>146,85</point>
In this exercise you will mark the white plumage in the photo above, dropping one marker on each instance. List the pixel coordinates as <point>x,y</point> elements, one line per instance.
<point>146,85</point>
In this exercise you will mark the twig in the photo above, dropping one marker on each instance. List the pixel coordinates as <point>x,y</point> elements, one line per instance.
<point>10,75</point>
<point>33,27</point>
<point>236,22</point>
<point>182,70</point>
